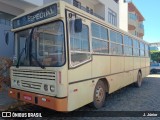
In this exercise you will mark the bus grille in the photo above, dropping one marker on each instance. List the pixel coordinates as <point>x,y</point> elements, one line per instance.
<point>32,85</point>
<point>35,74</point>
<point>32,79</point>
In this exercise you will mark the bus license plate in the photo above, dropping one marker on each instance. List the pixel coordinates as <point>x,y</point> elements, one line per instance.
<point>29,98</point>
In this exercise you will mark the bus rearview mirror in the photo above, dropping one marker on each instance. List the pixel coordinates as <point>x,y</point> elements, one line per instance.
<point>78,25</point>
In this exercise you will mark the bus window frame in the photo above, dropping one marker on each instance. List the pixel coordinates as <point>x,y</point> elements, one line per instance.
<point>70,66</point>
<point>65,57</point>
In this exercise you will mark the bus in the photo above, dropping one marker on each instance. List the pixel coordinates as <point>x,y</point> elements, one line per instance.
<point>66,58</point>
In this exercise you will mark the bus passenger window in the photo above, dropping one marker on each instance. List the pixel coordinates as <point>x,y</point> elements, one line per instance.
<point>79,45</point>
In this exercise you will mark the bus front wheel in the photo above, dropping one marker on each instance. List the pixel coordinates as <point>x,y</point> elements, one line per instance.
<point>99,95</point>
<point>138,83</point>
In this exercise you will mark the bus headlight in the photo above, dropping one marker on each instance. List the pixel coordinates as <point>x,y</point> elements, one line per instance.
<point>52,88</point>
<point>18,82</point>
<point>15,82</point>
<point>46,87</point>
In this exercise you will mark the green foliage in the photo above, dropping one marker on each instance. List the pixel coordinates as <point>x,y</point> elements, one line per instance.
<point>155,55</point>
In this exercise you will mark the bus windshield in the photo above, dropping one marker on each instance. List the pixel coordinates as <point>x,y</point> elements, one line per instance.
<point>42,45</point>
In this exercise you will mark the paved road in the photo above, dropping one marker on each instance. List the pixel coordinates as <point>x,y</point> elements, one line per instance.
<point>146,98</point>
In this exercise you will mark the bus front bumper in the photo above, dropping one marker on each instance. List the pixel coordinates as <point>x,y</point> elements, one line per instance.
<point>40,100</point>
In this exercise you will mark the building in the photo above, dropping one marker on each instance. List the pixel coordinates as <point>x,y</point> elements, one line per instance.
<point>120,13</point>
<point>123,15</point>
<point>135,21</point>
<point>107,10</point>
<point>8,10</point>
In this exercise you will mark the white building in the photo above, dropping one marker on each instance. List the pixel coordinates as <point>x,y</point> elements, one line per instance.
<point>107,10</point>
<point>115,12</point>
<point>8,10</point>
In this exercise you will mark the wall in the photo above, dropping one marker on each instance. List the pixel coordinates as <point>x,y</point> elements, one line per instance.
<point>123,15</point>
<point>6,50</point>
<point>100,9</point>
<point>110,4</point>
<point>10,9</point>
<point>48,1</point>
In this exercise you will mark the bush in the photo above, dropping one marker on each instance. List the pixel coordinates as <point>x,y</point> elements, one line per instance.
<point>5,64</point>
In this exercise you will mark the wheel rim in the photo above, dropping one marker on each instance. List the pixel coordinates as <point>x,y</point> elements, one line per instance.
<point>99,94</point>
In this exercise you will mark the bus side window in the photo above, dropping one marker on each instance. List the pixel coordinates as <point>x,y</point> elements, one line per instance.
<point>116,41</point>
<point>79,45</point>
<point>100,43</point>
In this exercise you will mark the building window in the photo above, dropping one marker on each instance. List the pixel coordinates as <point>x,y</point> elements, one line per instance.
<point>112,17</point>
<point>76,3</point>
<point>133,16</point>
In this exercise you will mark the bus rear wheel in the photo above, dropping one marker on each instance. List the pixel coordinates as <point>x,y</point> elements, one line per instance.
<point>99,95</point>
<point>138,83</point>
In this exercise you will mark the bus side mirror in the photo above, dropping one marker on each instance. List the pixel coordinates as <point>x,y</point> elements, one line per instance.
<point>78,25</point>
<point>7,38</point>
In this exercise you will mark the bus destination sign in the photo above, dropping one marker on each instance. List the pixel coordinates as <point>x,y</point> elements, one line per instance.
<point>36,16</point>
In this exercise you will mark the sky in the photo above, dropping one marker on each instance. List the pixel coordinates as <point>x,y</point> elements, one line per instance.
<point>150,9</point>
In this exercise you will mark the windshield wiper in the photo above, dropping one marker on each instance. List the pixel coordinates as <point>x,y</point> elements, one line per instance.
<point>30,52</point>
<point>42,66</point>
<point>24,49</point>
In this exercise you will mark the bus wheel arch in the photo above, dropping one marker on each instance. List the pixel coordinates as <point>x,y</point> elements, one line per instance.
<point>106,83</point>
<point>99,95</point>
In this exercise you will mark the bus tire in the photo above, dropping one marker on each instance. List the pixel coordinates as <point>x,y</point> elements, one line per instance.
<point>99,95</point>
<point>138,83</point>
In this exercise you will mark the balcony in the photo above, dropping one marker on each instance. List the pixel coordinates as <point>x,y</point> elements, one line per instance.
<point>132,19</point>
<point>141,30</point>
<point>91,12</point>
<point>94,12</point>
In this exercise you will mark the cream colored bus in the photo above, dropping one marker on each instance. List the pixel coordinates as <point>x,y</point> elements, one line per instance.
<point>66,58</point>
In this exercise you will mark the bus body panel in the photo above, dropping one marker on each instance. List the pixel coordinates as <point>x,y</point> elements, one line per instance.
<point>129,63</point>
<point>101,68</point>
<point>80,94</point>
<point>117,64</point>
